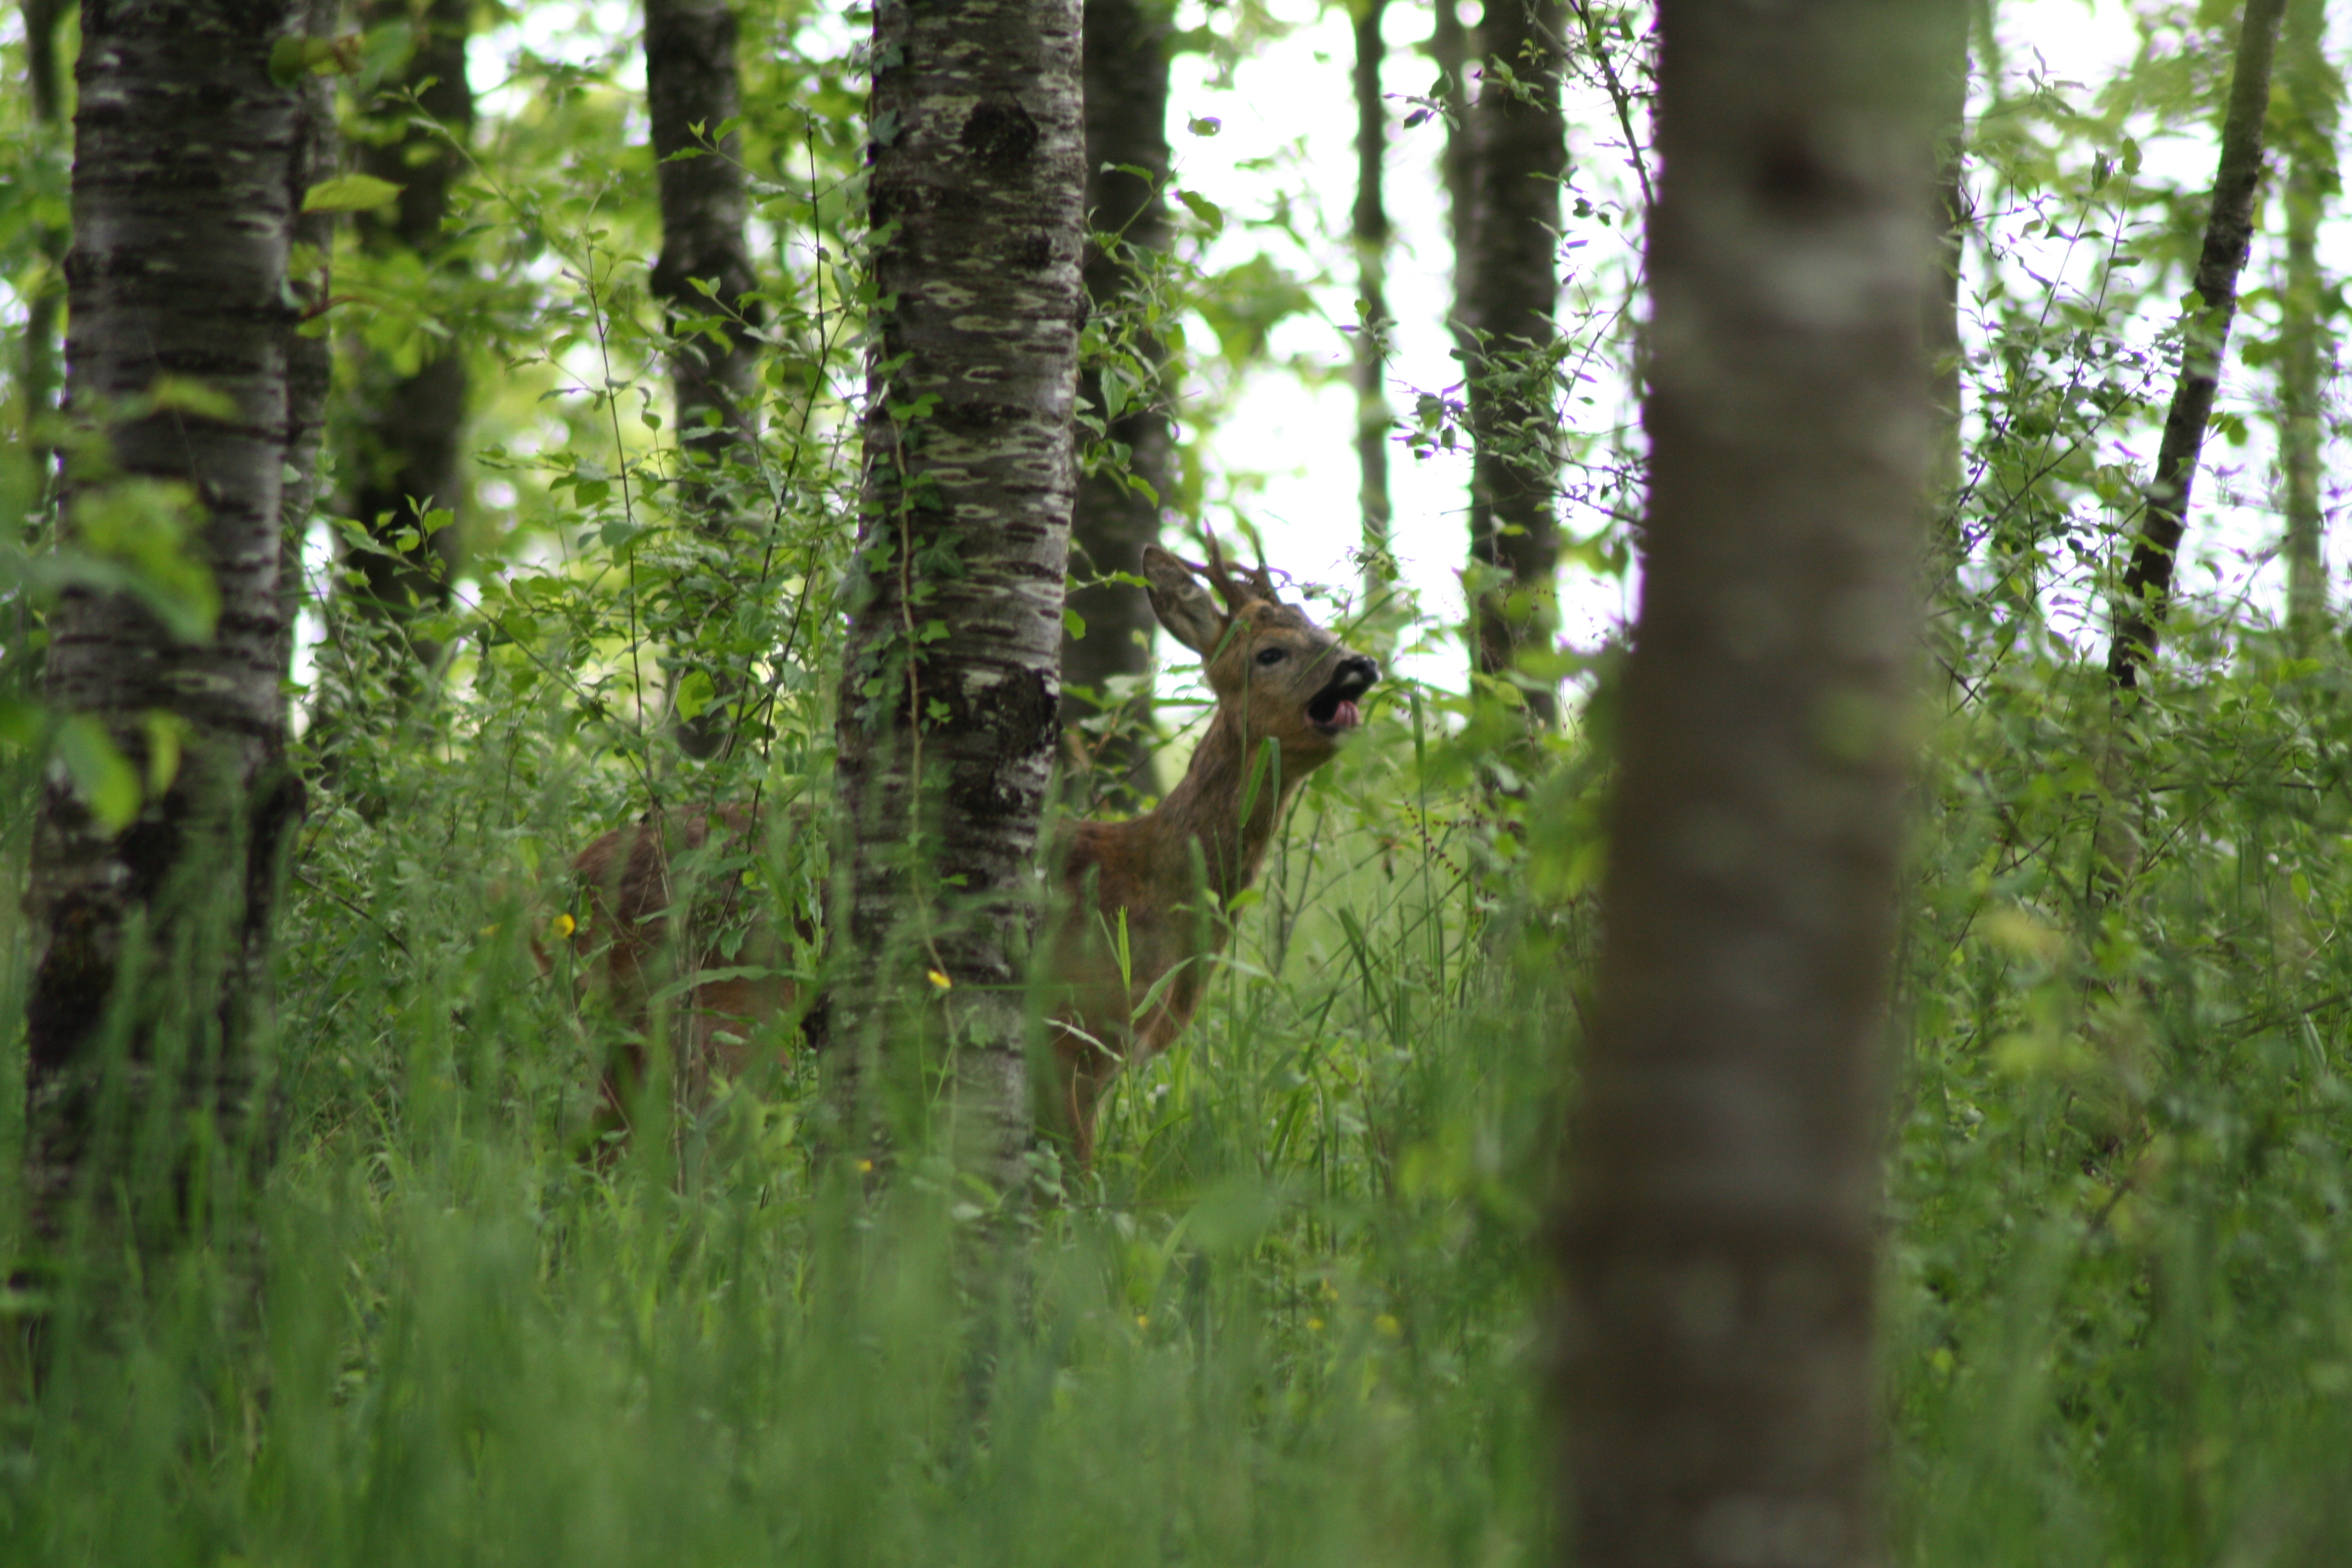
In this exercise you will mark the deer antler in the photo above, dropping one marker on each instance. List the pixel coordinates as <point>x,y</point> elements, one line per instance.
<point>1236,588</point>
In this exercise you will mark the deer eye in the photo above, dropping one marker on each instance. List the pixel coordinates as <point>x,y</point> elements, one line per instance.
<point>1269,655</point>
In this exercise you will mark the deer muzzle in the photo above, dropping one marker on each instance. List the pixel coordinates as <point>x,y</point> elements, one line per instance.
<point>1333,710</point>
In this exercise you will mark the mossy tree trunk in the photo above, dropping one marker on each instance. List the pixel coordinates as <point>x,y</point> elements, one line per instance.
<point>704,280</point>
<point>1719,1243</point>
<point>1118,507</point>
<point>949,711</point>
<point>144,1084</point>
<point>1507,282</point>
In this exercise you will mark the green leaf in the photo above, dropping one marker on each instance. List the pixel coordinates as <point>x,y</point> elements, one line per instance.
<point>1201,207</point>
<point>694,694</point>
<point>285,59</point>
<point>145,529</point>
<point>163,731</point>
<point>292,56</point>
<point>1203,124</point>
<point>184,394</point>
<point>1074,625</point>
<point>20,722</point>
<point>349,193</point>
<point>107,784</point>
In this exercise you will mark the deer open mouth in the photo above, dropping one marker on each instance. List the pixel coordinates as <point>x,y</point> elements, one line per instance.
<point>1333,710</point>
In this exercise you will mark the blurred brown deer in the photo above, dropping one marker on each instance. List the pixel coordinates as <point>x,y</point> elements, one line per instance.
<point>1143,902</point>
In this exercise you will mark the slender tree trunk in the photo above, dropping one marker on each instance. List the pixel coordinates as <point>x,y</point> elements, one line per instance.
<point>702,279</point>
<point>1953,217</point>
<point>1449,51</point>
<point>1717,1241</point>
<point>950,696</point>
<point>142,1083</point>
<point>406,458</point>
<point>309,352</point>
<point>1126,129</point>
<point>40,383</point>
<point>2147,591</point>
<point>1508,284</point>
<point>1369,229</point>
<point>2308,347</point>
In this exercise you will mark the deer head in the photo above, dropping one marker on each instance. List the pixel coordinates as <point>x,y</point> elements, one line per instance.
<point>1275,672</point>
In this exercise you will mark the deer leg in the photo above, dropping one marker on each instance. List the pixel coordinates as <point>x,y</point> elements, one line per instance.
<point>1082,1071</point>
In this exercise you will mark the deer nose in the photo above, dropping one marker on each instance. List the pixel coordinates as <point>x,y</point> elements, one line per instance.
<point>1356,674</point>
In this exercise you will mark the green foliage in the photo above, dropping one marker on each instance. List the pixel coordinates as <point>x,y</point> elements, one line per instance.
<point>1295,1314</point>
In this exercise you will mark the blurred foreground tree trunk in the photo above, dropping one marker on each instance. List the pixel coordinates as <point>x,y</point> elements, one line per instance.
<point>406,460</point>
<point>2147,592</point>
<point>1118,507</point>
<point>1508,283</point>
<point>1718,1243</point>
<point>703,281</point>
<point>950,708</point>
<point>2311,106</point>
<point>1369,227</point>
<point>151,906</point>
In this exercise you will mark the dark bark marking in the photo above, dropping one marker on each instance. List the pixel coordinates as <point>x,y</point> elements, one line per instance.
<point>1792,177</point>
<point>1031,252</point>
<point>1000,137</point>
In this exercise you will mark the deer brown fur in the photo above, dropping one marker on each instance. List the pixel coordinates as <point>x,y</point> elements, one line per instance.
<point>632,880</point>
<point>1285,691</point>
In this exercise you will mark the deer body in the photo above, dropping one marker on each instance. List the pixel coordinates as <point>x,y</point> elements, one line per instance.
<point>1285,693</point>
<point>631,880</point>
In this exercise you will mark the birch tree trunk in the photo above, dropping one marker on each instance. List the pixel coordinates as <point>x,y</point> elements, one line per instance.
<point>407,458</point>
<point>702,279</point>
<point>1508,284</point>
<point>144,1079</point>
<point>950,708</point>
<point>2147,591</point>
<point>2307,346</point>
<point>1126,49</point>
<point>1718,1237</point>
<point>1369,229</point>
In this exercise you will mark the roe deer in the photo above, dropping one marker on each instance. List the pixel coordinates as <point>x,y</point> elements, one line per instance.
<point>1285,691</point>
<point>632,882</point>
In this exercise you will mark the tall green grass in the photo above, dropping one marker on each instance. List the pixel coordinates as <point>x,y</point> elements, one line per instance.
<point>1296,1315</point>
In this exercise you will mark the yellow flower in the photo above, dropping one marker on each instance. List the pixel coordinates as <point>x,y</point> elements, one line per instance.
<point>1142,1322</point>
<point>1315,1325</point>
<point>1389,1326</point>
<point>562,926</point>
<point>865,1167</point>
<point>940,980</point>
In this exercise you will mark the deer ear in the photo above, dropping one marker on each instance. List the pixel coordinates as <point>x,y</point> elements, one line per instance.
<point>1183,605</point>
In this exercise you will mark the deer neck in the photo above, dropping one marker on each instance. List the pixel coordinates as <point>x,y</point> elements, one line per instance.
<point>1205,807</point>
